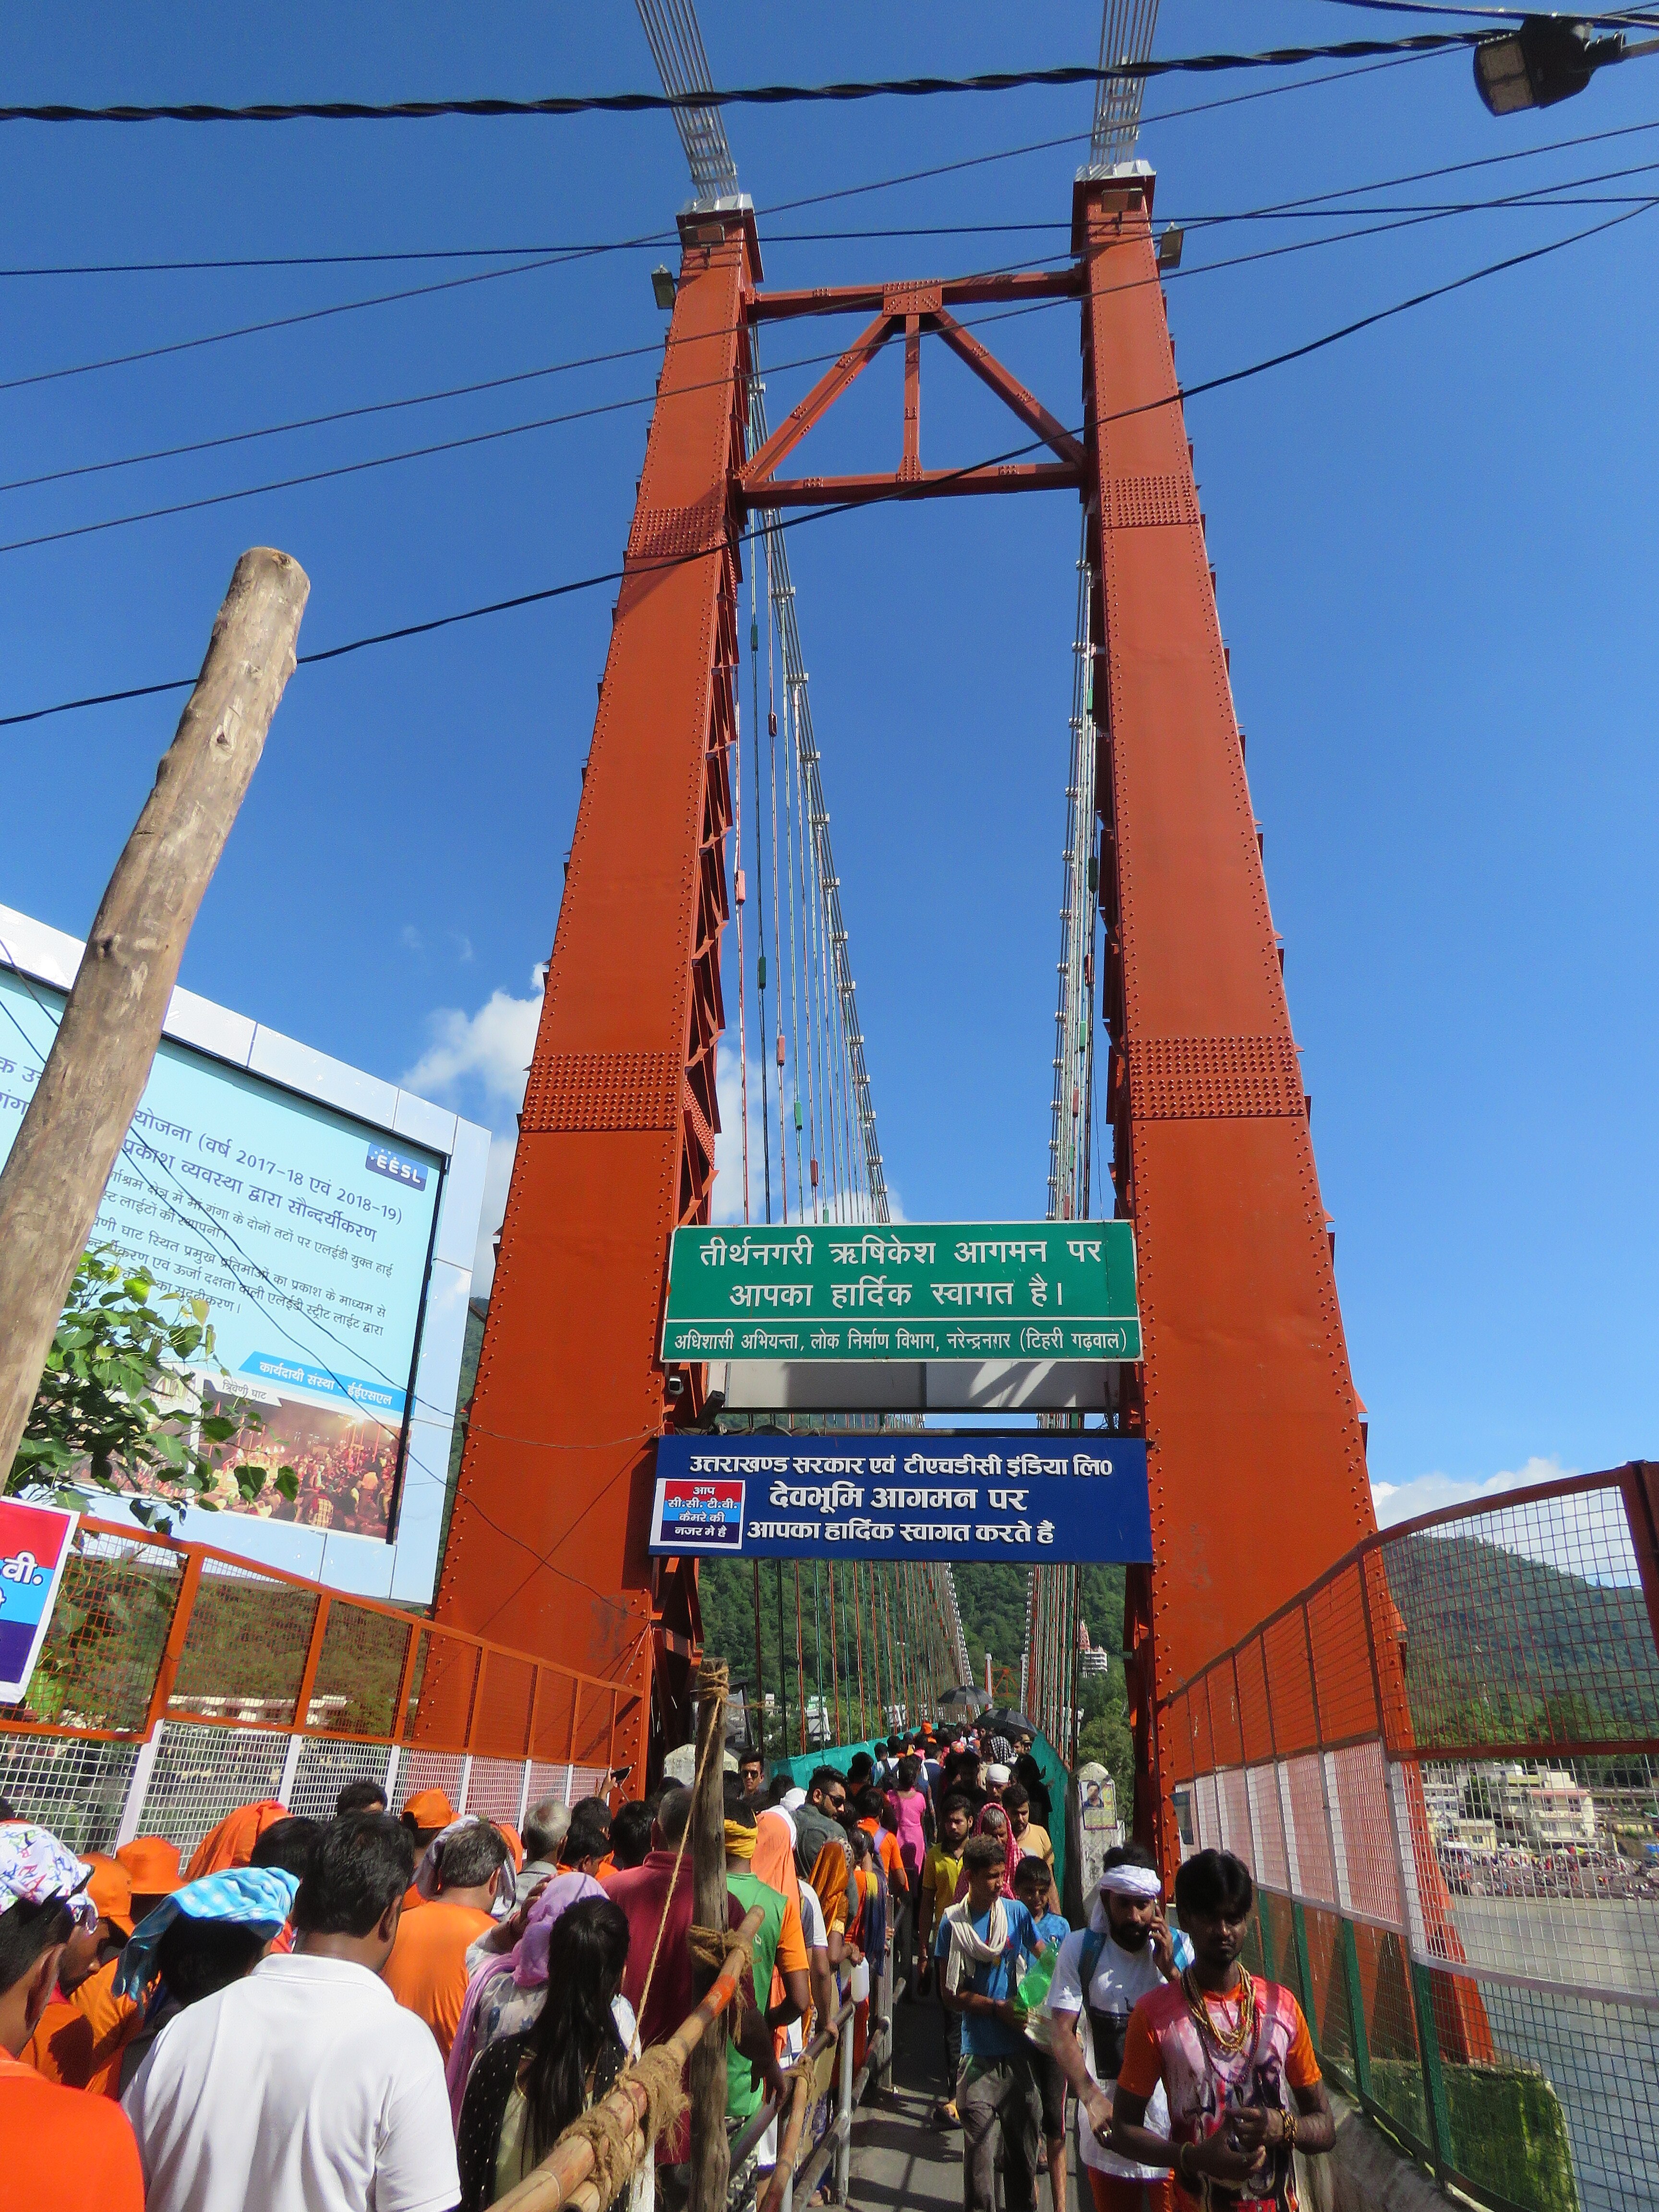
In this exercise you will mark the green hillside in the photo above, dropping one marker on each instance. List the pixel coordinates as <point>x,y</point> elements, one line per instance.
<point>1500,1647</point>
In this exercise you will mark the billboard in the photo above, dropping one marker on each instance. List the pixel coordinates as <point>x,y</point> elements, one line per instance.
<point>312,1232</point>
<point>955,1290</point>
<point>1031,1498</point>
<point>34,1547</point>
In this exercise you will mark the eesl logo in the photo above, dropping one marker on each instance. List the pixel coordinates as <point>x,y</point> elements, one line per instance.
<point>385,1161</point>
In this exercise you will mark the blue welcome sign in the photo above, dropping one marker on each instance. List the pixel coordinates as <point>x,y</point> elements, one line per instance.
<point>1034,1499</point>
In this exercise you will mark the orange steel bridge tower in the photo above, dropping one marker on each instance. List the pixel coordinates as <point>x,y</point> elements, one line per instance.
<point>1245,1398</point>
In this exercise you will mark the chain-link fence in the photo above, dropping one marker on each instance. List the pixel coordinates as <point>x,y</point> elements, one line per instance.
<point>177,1682</point>
<point>1442,1764</point>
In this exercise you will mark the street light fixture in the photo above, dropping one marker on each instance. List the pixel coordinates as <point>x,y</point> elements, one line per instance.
<point>1546,58</point>
<point>662,287</point>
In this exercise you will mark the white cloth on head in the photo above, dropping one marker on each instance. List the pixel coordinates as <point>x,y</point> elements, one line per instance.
<point>1133,1881</point>
<point>998,1776</point>
<point>792,1801</point>
<point>304,2087</point>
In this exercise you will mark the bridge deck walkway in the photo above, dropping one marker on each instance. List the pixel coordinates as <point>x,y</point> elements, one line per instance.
<point>900,2160</point>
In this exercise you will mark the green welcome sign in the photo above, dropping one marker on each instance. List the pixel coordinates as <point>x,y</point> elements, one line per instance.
<point>1002,1289</point>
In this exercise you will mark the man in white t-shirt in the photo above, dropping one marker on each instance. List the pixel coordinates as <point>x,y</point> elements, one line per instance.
<point>306,2088</point>
<point>1101,1972</point>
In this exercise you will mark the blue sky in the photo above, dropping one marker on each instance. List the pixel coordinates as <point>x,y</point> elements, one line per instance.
<point>1435,563</point>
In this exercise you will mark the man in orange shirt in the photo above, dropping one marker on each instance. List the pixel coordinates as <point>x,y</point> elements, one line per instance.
<point>460,1877</point>
<point>1232,2053</point>
<point>64,2149</point>
<point>231,1843</point>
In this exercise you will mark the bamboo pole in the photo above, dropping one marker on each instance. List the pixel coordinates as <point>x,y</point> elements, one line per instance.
<point>559,2180</point>
<point>53,1184</point>
<point>789,2147</point>
<point>706,2077</point>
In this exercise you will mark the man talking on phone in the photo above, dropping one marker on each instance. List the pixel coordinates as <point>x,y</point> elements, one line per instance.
<point>1104,1971</point>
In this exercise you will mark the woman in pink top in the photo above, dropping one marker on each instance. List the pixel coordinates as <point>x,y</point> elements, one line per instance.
<point>906,1806</point>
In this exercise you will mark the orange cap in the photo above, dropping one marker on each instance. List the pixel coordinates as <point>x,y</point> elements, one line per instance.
<point>111,1891</point>
<point>152,1865</point>
<point>514,1844</point>
<point>429,1808</point>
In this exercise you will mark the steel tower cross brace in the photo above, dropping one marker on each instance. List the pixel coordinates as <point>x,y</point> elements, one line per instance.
<point>547,1547</point>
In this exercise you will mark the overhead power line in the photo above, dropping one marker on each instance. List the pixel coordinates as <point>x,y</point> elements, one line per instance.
<point>900,492</point>
<point>1371,225</point>
<point>757,95</point>
<point>779,207</point>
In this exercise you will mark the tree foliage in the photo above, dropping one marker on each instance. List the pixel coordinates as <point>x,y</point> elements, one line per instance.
<point>115,1409</point>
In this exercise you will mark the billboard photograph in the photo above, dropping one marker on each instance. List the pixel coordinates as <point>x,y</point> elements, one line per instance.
<point>307,1233</point>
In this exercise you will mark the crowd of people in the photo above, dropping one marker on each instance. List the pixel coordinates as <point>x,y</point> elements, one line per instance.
<point>406,2011</point>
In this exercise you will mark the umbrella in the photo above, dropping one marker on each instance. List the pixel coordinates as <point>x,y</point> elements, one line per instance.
<point>1011,1723</point>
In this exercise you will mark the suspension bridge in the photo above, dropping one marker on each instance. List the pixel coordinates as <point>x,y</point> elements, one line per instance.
<point>1351,1712</point>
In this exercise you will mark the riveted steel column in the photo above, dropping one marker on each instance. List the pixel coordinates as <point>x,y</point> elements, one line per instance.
<point>1257,1468</point>
<point>547,1549</point>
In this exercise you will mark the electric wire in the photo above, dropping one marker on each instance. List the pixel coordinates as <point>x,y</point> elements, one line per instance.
<point>993,81</point>
<point>1179,397</point>
<point>1373,225</point>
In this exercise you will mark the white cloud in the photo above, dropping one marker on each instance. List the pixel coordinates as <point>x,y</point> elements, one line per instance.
<point>728,1204</point>
<point>1428,1493</point>
<point>477,1063</point>
<point>412,938</point>
<point>489,1049</point>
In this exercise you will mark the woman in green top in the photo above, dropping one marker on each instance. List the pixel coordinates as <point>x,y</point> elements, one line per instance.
<point>526,2089</point>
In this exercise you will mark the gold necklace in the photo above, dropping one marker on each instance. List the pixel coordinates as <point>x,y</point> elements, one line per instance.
<point>1228,2040</point>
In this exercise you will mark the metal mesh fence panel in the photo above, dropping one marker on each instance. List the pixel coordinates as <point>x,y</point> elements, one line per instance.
<point>1343,1679</point>
<point>109,1629</point>
<point>1284,1643</point>
<point>1255,1709</point>
<point>74,1786</point>
<point>1278,1923</point>
<point>1326,1987</point>
<point>565,1784</point>
<point>324,1769</point>
<point>1388,2011</point>
<point>428,1769</point>
<point>449,1671</point>
<point>354,1692</point>
<point>493,1788</point>
<point>1315,1868</point>
<point>1270,1865</point>
<point>1208,1809</point>
<point>245,1650</point>
<point>1572,2099</point>
<point>1360,1813</point>
<point>203,1773</point>
<point>500,1726</point>
<point>1586,1669</point>
<point>1235,1803</point>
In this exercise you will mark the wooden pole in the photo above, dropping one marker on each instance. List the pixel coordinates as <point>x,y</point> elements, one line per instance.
<point>53,1184</point>
<point>706,2078</point>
